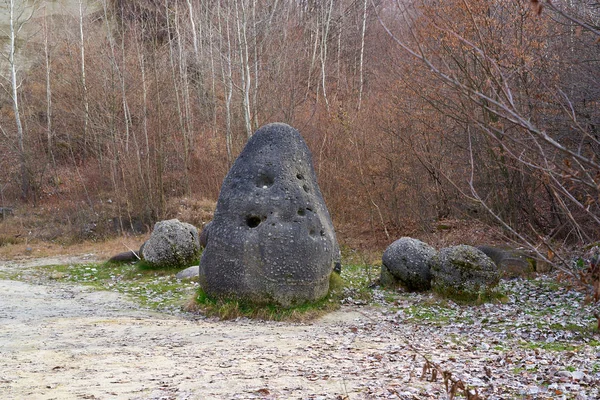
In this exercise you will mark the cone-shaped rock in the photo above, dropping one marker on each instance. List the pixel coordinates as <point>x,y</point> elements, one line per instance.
<point>271,238</point>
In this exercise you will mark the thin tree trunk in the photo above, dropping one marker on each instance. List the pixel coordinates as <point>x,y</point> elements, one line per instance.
<point>324,39</point>
<point>48,93</point>
<point>15,27</point>
<point>213,73</point>
<point>362,54</point>
<point>126,112</point>
<point>256,67</point>
<point>188,123</point>
<point>313,58</point>
<point>83,80</point>
<point>149,187</point>
<point>228,84</point>
<point>244,64</point>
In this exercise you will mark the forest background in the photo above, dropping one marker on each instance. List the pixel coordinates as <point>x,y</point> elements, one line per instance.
<point>116,114</point>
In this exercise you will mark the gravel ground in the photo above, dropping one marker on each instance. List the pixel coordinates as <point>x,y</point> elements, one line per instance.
<point>64,341</point>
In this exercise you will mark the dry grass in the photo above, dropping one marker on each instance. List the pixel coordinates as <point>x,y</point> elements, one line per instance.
<point>62,228</point>
<point>453,232</point>
<point>37,248</point>
<point>232,308</point>
<point>197,212</point>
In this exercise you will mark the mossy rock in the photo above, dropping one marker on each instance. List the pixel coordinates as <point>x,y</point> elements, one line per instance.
<point>464,273</point>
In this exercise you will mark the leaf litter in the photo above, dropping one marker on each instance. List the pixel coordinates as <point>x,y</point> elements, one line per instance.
<point>540,343</point>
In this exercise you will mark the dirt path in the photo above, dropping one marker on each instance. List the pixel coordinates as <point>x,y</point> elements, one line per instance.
<point>61,341</point>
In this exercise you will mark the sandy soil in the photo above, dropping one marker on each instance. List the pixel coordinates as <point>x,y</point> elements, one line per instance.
<point>61,341</point>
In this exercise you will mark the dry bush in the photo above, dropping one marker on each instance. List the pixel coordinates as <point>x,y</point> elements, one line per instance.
<point>191,210</point>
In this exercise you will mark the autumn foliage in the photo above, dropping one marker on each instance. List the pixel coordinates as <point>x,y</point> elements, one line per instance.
<point>414,111</point>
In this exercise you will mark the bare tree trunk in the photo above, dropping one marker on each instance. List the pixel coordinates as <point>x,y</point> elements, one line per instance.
<point>227,83</point>
<point>188,130</point>
<point>126,112</point>
<point>48,93</point>
<point>244,64</point>
<point>324,38</point>
<point>213,73</point>
<point>194,34</point>
<point>362,54</point>
<point>83,80</point>
<point>15,25</point>
<point>313,58</point>
<point>149,185</point>
<point>256,67</point>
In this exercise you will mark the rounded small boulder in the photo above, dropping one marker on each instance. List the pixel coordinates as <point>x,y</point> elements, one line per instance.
<point>172,244</point>
<point>463,272</point>
<point>408,261</point>
<point>271,237</point>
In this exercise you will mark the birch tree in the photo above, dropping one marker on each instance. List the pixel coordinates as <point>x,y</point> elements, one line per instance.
<point>48,92</point>
<point>362,53</point>
<point>18,17</point>
<point>86,104</point>
<point>246,78</point>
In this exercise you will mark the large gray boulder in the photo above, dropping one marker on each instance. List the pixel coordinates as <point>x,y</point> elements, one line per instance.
<point>463,272</point>
<point>512,263</point>
<point>172,244</point>
<point>408,261</point>
<point>271,237</point>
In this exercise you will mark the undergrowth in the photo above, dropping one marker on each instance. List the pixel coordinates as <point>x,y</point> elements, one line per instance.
<point>226,308</point>
<point>158,288</point>
<point>352,284</point>
<point>150,287</point>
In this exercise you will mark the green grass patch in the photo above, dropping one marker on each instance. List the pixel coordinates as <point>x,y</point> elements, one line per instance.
<point>432,314</point>
<point>468,298</point>
<point>551,346</point>
<point>153,288</point>
<point>231,308</point>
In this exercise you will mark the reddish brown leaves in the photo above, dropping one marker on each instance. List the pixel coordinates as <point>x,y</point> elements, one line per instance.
<point>536,6</point>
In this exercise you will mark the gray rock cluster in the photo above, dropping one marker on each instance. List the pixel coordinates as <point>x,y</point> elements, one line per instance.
<point>271,239</point>
<point>171,244</point>
<point>459,271</point>
<point>408,261</point>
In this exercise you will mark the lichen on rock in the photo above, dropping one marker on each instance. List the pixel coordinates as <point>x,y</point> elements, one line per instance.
<point>271,238</point>
<point>172,244</point>
<point>464,272</point>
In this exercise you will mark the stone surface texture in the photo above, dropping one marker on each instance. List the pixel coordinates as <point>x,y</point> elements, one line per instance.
<point>171,244</point>
<point>408,261</point>
<point>204,235</point>
<point>271,238</point>
<point>188,273</point>
<point>512,263</point>
<point>463,271</point>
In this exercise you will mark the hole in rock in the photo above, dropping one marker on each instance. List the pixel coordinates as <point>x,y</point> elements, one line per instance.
<point>306,189</point>
<point>253,221</point>
<point>301,212</point>
<point>311,232</point>
<point>299,176</point>
<point>264,181</point>
<point>322,233</point>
